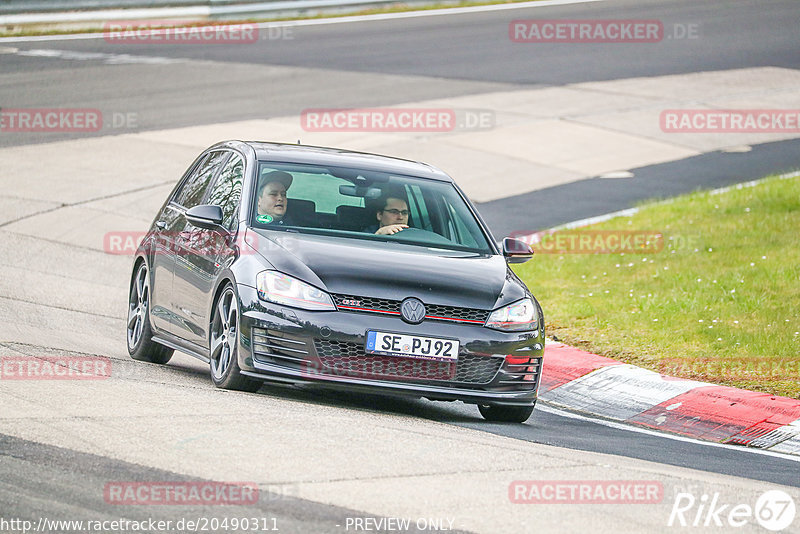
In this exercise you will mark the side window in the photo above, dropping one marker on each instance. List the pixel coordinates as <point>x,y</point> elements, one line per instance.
<point>227,189</point>
<point>194,188</point>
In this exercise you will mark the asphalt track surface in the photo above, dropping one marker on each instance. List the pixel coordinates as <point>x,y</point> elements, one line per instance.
<point>380,63</point>
<point>438,57</point>
<point>427,57</point>
<point>31,471</point>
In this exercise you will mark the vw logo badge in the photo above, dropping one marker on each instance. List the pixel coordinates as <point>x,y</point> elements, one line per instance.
<point>412,310</point>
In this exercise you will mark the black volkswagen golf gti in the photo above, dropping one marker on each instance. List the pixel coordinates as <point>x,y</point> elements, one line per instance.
<point>302,265</point>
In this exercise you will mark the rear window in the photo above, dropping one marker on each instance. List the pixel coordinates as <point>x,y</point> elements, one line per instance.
<point>323,191</point>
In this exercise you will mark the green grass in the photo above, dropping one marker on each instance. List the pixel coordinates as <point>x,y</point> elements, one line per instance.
<point>719,303</point>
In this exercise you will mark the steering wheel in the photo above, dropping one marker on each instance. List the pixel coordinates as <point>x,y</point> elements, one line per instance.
<point>422,236</point>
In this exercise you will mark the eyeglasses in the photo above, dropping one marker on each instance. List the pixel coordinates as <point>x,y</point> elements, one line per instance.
<point>404,213</point>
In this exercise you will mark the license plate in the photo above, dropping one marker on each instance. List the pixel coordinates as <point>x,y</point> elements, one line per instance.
<point>407,346</point>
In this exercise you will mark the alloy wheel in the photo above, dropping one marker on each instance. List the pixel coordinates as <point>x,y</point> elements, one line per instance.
<point>137,306</point>
<point>224,333</point>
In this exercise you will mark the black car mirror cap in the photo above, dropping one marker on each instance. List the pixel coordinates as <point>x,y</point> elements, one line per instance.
<point>205,216</point>
<point>516,251</point>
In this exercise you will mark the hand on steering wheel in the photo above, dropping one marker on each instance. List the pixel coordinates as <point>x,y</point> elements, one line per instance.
<point>391,229</point>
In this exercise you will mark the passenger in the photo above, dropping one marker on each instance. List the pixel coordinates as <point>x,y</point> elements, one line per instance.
<point>392,217</point>
<point>272,198</point>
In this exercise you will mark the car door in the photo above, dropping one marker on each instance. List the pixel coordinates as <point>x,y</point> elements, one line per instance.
<point>168,225</point>
<point>203,254</point>
<point>190,194</point>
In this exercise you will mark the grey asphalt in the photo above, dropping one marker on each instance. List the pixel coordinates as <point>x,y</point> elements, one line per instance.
<point>392,62</point>
<point>476,47</point>
<point>72,485</point>
<point>592,197</point>
<point>585,435</point>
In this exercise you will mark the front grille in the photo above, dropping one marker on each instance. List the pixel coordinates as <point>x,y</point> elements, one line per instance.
<point>345,358</point>
<point>434,312</point>
<point>367,304</point>
<point>477,369</point>
<point>453,313</point>
<point>276,347</point>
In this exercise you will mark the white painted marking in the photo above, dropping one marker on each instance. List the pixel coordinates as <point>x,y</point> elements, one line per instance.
<point>618,391</point>
<point>617,174</point>
<point>738,149</point>
<point>338,20</point>
<point>752,183</point>
<point>674,437</point>
<point>436,12</point>
<point>110,59</point>
<point>592,220</point>
<point>791,445</point>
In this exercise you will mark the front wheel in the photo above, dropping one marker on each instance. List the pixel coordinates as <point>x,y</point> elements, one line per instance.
<point>139,335</point>
<point>225,371</point>
<point>505,414</point>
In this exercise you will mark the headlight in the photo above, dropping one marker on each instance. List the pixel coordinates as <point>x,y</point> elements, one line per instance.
<point>520,315</point>
<point>282,289</point>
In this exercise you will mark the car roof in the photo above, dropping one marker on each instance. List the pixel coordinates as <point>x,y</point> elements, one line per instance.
<point>336,157</point>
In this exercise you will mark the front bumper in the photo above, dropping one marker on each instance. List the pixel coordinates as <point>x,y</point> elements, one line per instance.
<point>284,344</point>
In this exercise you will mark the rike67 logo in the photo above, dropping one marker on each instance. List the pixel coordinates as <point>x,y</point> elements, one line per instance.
<point>774,510</point>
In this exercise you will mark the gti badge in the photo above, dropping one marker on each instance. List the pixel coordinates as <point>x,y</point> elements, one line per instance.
<point>351,302</point>
<point>412,310</point>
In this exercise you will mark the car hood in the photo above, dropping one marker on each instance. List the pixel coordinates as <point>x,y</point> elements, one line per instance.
<point>391,270</point>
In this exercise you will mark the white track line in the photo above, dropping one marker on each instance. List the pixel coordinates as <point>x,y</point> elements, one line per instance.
<point>337,20</point>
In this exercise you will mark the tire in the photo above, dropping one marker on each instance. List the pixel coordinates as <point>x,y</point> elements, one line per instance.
<point>505,414</point>
<point>138,333</point>
<point>224,347</point>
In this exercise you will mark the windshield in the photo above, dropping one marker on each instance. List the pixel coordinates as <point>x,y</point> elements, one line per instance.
<point>365,205</point>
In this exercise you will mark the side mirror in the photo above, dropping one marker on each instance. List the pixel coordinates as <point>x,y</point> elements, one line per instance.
<point>205,216</point>
<point>516,251</point>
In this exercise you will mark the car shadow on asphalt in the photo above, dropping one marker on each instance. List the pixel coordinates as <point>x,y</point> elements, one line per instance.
<point>377,403</point>
<point>444,412</point>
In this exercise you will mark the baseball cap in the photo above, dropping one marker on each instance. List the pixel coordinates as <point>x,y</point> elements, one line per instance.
<point>277,176</point>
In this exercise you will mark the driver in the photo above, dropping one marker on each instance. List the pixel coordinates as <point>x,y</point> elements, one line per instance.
<point>392,217</point>
<point>272,200</point>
